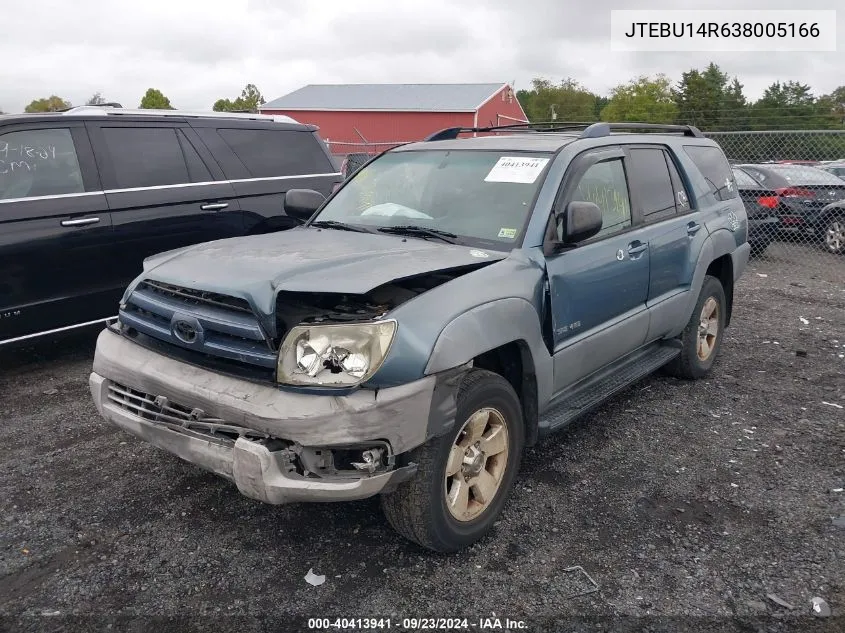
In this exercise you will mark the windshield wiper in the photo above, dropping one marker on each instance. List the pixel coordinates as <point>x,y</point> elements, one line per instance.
<point>334,224</point>
<point>421,231</point>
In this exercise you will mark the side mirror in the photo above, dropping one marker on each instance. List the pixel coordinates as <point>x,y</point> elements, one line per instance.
<point>583,221</point>
<point>302,203</point>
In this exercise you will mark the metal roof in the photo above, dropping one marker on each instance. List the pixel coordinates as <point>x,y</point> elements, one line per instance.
<point>387,97</point>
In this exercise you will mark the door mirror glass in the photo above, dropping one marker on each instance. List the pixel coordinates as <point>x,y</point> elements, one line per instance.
<point>302,203</point>
<point>583,221</point>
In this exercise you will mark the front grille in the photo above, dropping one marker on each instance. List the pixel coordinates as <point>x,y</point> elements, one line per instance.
<point>209,324</point>
<point>198,297</point>
<point>178,417</point>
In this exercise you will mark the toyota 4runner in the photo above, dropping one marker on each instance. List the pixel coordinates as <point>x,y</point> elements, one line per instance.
<point>455,300</point>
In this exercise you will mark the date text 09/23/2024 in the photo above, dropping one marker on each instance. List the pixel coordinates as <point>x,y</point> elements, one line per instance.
<point>416,624</point>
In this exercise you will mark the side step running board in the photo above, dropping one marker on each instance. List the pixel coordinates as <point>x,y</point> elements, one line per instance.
<point>594,391</point>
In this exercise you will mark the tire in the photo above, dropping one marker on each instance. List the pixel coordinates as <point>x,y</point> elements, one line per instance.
<point>419,509</point>
<point>833,235</point>
<point>690,364</point>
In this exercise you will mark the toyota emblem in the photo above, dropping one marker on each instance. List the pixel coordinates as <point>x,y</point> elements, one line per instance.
<point>186,329</point>
<point>185,332</point>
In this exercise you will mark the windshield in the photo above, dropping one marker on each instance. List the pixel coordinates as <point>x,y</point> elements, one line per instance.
<point>481,197</point>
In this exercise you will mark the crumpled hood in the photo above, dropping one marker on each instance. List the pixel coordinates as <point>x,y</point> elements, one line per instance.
<point>304,259</point>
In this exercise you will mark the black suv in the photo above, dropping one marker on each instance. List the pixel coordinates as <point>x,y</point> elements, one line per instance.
<point>88,193</point>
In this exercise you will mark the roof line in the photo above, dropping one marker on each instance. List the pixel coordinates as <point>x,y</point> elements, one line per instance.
<point>487,100</point>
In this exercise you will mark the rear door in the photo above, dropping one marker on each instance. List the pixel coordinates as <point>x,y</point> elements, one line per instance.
<point>161,192</point>
<point>674,232</point>
<point>55,230</point>
<point>265,159</point>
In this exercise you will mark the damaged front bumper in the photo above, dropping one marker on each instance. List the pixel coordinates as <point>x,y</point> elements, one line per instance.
<point>277,447</point>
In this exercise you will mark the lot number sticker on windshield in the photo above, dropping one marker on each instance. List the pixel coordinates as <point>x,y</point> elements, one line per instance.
<point>516,169</point>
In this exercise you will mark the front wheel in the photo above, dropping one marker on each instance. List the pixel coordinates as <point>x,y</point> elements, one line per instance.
<point>464,477</point>
<point>834,235</point>
<point>702,337</point>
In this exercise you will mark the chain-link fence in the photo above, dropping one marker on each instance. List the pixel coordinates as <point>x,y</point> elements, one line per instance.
<point>793,187</point>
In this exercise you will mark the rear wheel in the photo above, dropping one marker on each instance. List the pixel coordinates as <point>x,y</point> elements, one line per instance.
<point>702,337</point>
<point>834,235</point>
<point>464,477</point>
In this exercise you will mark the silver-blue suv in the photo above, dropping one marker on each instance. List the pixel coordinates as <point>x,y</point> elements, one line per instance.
<point>454,301</point>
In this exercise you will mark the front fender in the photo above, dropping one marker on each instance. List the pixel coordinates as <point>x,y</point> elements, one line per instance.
<point>487,327</point>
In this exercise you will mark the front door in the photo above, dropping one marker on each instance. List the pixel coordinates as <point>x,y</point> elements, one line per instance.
<point>599,288</point>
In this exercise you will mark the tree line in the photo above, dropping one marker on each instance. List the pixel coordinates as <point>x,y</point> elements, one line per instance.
<point>709,99</point>
<point>248,101</point>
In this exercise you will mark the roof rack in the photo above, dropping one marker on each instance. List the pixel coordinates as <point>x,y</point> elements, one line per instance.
<point>588,130</point>
<point>597,130</point>
<point>98,110</point>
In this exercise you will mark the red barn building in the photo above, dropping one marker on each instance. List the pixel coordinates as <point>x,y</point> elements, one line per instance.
<point>372,117</point>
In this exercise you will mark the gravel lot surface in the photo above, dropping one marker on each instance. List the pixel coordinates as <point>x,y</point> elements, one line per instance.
<point>687,502</point>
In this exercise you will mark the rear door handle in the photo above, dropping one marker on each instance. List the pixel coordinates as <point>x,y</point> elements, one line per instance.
<point>693,228</point>
<point>636,247</point>
<point>80,221</point>
<point>214,206</point>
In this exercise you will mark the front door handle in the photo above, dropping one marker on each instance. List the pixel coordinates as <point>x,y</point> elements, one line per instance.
<point>693,228</point>
<point>80,221</point>
<point>214,206</point>
<point>636,247</point>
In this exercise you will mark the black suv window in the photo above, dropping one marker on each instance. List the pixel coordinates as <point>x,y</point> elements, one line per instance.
<point>267,153</point>
<point>38,163</point>
<point>649,176</point>
<point>149,157</point>
<point>713,165</point>
<point>604,184</point>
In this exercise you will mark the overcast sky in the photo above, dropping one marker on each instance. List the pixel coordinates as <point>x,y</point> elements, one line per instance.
<point>197,51</point>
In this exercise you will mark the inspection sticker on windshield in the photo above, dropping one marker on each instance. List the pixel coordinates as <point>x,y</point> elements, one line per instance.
<point>507,233</point>
<point>516,169</point>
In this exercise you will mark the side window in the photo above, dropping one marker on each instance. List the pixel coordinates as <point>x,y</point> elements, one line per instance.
<point>682,204</point>
<point>649,177</point>
<point>197,171</point>
<point>713,165</point>
<point>145,156</point>
<point>267,153</point>
<point>604,184</point>
<point>38,163</point>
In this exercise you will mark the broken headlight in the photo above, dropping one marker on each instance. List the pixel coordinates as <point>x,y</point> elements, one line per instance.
<point>334,355</point>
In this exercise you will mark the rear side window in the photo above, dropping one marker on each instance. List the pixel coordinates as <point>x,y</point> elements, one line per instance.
<point>713,165</point>
<point>38,163</point>
<point>269,153</point>
<point>649,177</point>
<point>151,157</point>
